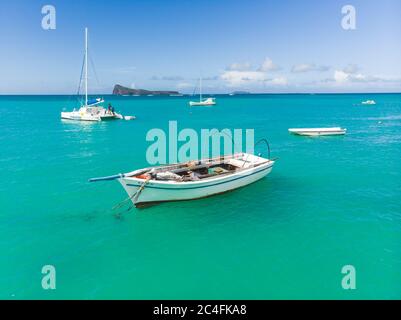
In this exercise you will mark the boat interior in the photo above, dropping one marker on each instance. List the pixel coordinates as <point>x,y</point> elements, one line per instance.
<point>203,169</point>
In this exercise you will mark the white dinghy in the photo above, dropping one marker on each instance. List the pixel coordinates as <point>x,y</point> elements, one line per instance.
<point>192,180</point>
<point>369,102</point>
<point>318,131</point>
<point>91,109</point>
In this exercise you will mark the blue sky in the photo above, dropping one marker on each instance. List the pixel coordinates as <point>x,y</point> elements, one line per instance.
<point>260,46</point>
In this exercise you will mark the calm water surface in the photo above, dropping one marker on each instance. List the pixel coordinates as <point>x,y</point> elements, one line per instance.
<point>329,202</point>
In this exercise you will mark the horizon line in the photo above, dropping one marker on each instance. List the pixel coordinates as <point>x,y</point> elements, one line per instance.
<point>188,94</point>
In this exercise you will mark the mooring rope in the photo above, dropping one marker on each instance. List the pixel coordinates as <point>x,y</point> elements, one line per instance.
<point>136,195</point>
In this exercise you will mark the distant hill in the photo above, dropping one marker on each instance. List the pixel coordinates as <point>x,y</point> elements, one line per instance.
<point>121,90</point>
<point>241,92</point>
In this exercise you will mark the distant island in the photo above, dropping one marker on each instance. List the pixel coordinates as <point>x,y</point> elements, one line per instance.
<point>124,91</point>
<point>239,92</point>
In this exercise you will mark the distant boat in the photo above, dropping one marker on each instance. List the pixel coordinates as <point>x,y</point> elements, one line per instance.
<point>202,102</point>
<point>192,180</point>
<point>91,110</point>
<point>369,102</point>
<point>318,131</point>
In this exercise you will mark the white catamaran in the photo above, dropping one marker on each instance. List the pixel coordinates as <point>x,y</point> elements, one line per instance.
<point>91,110</point>
<point>192,180</point>
<point>202,102</point>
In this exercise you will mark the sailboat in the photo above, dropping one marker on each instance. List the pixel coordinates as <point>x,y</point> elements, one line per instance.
<point>91,110</point>
<point>202,102</point>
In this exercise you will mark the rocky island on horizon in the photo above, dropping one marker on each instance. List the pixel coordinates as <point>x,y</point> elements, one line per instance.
<point>122,91</point>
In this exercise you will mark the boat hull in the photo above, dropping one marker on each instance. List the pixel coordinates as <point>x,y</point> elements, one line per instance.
<point>313,132</point>
<point>155,192</point>
<point>78,116</point>
<point>201,104</point>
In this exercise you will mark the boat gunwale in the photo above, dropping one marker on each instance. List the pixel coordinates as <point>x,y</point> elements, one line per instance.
<point>218,178</point>
<point>179,187</point>
<point>333,129</point>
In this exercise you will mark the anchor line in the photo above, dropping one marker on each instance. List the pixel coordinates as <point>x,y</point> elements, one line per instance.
<point>136,195</point>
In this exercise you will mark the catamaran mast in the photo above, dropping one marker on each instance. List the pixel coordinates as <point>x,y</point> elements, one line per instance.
<point>86,66</point>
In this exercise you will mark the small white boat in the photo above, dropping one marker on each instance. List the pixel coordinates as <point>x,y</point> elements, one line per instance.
<point>192,180</point>
<point>202,102</point>
<point>369,102</point>
<point>318,131</point>
<point>91,109</point>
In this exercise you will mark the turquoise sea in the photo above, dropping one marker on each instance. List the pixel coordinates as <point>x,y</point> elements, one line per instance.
<point>329,202</point>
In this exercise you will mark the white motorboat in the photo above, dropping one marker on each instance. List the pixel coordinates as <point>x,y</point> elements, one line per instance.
<point>192,180</point>
<point>369,102</point>
<point>91,109</point>
<point>202,102</point>
<point>318,131</point>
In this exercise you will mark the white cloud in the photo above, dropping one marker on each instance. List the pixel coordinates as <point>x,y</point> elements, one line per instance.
<point>210,78</point>
<point>351,68</point>
<point>268,65</point>
<point>341,76</point>
<point>242,73</point>
<point>167,78</point>
<point>359,77</point>
<point>350,75</point>
<point>281,81</point>
<point>306,67</point>
<point>183,85</point>
<point>239,66</point>
<point>237,78</point>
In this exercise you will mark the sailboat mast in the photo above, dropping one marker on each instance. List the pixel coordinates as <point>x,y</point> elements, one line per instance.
<point>200,89</point>
<point>86,66</point>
